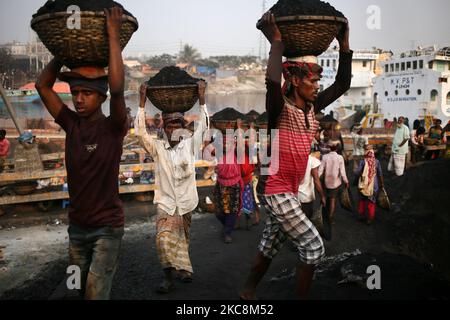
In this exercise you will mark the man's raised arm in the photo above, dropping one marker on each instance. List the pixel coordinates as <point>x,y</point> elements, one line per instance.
<point>116,67</point>
<point>344,74</point>
<point>274,96</point>
<point>44,86</point>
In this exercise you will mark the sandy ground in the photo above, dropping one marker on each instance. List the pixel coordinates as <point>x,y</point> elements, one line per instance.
<point>36,258</point>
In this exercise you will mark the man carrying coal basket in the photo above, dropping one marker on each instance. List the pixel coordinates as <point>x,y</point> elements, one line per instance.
<point>291,111</point>
<point>176,194</point>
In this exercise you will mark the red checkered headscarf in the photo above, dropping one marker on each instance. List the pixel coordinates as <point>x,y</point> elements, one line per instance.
<point>307,69</point>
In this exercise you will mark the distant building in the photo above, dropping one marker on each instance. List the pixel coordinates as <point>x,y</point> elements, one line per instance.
<point>16,48</point>
<point>366,65</point>
<point>132,64</point>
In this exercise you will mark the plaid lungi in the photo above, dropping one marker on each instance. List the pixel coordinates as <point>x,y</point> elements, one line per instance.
<point>172,240</point>
<point>286,220</point>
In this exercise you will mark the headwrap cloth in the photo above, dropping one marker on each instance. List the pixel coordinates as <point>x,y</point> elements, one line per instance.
<point>308,66</point>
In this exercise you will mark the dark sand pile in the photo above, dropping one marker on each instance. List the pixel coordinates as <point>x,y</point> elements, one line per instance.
<point>52,6</point>
<point>172,76</point>
<point>263,118</point>
<point>304,7</point>
<point>420,220</point>
<point>252,116</point>
<point>228,114</point>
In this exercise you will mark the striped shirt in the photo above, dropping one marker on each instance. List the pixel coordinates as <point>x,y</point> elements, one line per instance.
<point>293,145</point>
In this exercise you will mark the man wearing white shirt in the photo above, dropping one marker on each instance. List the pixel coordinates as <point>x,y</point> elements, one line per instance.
<point>176,189</point>
<point>400,148</point>
<point>306,190</point>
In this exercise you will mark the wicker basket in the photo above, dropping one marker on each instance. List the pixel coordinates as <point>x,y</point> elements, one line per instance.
<point>80,47</point>
<point>173,98</point>
<point>308,35</point>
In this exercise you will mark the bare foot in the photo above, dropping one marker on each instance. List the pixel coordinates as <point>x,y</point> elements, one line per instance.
<point>247,296</point>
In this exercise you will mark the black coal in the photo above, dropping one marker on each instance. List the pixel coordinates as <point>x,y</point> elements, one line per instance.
<point>228,114</point>
<point>263,118</point>
<point>304,7</point>
<point>52,6</point>
<point>172,76</point>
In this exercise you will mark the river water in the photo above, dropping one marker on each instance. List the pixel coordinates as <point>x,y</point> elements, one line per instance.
<point>243,102</point>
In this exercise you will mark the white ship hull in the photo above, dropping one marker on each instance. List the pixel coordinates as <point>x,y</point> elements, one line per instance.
<point>415,89</point>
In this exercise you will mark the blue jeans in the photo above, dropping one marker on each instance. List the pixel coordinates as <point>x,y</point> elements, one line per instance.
<point>96,252</point>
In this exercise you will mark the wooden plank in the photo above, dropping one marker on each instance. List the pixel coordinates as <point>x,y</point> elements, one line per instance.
<point>60,195</point>
<point>47,174</point>
<point>137,188</point>
<point>51,136</point>
<point>48,196</point>
<point>53,156</point>
<point>435,148</point>
<point>36,175</point>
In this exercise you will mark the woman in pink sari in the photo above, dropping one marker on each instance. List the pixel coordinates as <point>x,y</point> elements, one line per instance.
<point>228,190</point>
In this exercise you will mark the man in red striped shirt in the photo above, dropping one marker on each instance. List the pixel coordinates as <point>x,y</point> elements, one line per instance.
<point>291,111</point>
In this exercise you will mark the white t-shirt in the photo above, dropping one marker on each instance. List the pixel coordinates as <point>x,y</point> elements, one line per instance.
<point>306,192</point>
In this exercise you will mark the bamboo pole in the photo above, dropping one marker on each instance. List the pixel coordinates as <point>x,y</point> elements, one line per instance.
<point>11,111</point>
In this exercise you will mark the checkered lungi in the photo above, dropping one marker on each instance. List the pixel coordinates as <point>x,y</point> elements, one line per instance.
<point>286,220</point>
<point>172,240</point>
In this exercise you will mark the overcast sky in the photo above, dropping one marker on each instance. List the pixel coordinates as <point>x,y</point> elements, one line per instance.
<point>219,27</point>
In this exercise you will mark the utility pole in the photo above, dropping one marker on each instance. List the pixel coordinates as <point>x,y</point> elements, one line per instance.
<point>37,58</point>
<point>262,39</point>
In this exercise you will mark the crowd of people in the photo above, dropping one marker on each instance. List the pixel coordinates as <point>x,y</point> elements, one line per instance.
<point>304,159</point>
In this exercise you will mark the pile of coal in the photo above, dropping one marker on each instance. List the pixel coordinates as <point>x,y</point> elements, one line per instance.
<point>52,6</point>
<point>228,114</point>
<point>252,116</point>
<point>304,7</point>
<point>172,76</point>
<point>264,118</point>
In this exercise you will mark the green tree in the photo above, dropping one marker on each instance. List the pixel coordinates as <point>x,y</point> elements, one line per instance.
<point>161,61</point>
<point>189,55</point>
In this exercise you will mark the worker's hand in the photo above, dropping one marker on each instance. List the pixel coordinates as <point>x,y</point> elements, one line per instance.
<point>202,91</point>
<point>113,20</point>
<point>56,63</point>
<point>269,27</point>
<point>323,201</point>
<point>343,38</point>
<point>347,185</point>
<point>143,95</point>
<point>201,88</point>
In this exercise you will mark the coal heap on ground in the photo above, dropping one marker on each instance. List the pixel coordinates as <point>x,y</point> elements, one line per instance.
<point>304,7</point>
<point>419,222</point>
<point>252,116</point>
<point>52,6</point>
<point>263,118</point>
<point>328,119</point>
<point>172,76</point>
<point>228,114</point>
